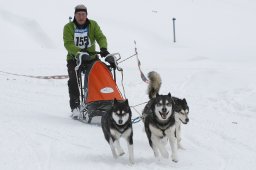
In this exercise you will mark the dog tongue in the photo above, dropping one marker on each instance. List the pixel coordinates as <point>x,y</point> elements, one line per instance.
<point>163,115</point>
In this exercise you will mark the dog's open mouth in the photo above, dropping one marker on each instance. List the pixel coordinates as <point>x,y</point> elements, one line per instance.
<point>164,114</point>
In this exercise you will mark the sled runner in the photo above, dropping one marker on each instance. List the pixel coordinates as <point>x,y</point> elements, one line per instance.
<point>97,87</point>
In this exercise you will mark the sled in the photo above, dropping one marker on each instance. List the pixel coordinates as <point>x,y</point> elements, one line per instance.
<point>98,88</point>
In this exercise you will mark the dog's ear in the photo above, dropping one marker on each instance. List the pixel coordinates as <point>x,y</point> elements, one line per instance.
<point>184,100</point>
<point>126,101</point>
<point>169,94</point>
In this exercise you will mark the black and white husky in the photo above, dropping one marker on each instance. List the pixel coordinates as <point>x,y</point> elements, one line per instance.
<point>181,116</point>
<point>116,124</point>
<point>159,119</point>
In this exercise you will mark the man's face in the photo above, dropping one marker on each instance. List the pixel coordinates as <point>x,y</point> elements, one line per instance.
<point>81,17</point>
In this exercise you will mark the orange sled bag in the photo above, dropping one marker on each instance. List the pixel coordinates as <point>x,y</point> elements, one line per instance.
<point>100,89</point>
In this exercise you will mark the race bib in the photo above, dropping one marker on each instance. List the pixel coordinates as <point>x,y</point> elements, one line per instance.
<point>81,38</point>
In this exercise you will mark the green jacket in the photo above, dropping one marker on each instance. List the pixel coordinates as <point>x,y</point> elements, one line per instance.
<point>94,34</point>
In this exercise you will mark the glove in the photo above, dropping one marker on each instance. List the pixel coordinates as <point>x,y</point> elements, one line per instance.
<point>111,61</point>
<point>84,58</point>
<point>103,52</point>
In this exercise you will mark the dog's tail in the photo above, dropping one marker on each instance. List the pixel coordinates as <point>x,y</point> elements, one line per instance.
<point>154,84</point>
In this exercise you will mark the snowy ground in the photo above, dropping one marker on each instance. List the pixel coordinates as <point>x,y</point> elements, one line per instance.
<point>212,65</point>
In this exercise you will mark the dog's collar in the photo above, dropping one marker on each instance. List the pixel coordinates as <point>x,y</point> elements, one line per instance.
<point>164,126</point>
<point>121,128</point>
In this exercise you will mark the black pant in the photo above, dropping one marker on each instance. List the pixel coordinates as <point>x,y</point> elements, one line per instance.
<point>74,94</point>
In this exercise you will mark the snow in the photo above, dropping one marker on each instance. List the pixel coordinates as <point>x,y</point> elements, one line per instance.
<point>212,65</point>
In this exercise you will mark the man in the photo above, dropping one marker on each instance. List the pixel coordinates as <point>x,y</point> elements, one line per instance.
<point>80,36</point>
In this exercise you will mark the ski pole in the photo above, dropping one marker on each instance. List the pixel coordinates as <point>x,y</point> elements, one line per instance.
<point>174,36</point>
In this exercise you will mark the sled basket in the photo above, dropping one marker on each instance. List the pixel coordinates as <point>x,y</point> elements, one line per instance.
<point>99,87</point>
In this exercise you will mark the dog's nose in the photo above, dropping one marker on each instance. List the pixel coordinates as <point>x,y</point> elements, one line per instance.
<point>120,121</point>
<point>187,119</point>
<point>164,109</point>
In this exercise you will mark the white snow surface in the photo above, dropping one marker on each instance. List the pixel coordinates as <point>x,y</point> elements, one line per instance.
<point>212,65</point>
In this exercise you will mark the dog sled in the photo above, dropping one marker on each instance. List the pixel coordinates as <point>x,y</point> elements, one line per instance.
<point>98,88</point>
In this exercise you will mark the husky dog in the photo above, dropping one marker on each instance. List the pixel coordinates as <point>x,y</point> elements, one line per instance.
<point>181,116</point>
<point>159,119</point>
<point>116,124</point>
<point>160,123</point>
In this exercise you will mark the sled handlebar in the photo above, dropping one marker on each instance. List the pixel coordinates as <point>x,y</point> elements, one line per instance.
<point>116,57</point>
<point>98,52</point>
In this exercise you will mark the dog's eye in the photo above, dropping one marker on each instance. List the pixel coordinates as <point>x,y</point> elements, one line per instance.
<point>159,104</point>
<point>169,104</point>
<point>182,112</point>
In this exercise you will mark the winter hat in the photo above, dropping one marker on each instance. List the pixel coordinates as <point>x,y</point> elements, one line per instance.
<point>80,7</point>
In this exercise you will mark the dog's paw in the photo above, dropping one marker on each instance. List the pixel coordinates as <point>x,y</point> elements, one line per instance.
<point>181,147</point>
<point>176,161</point>
<point>114,156</point>
<point>156,154</point>
<point>174,158</point>
<point>158,159</point>
<point>131,162</point>
<point>121,154</point>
